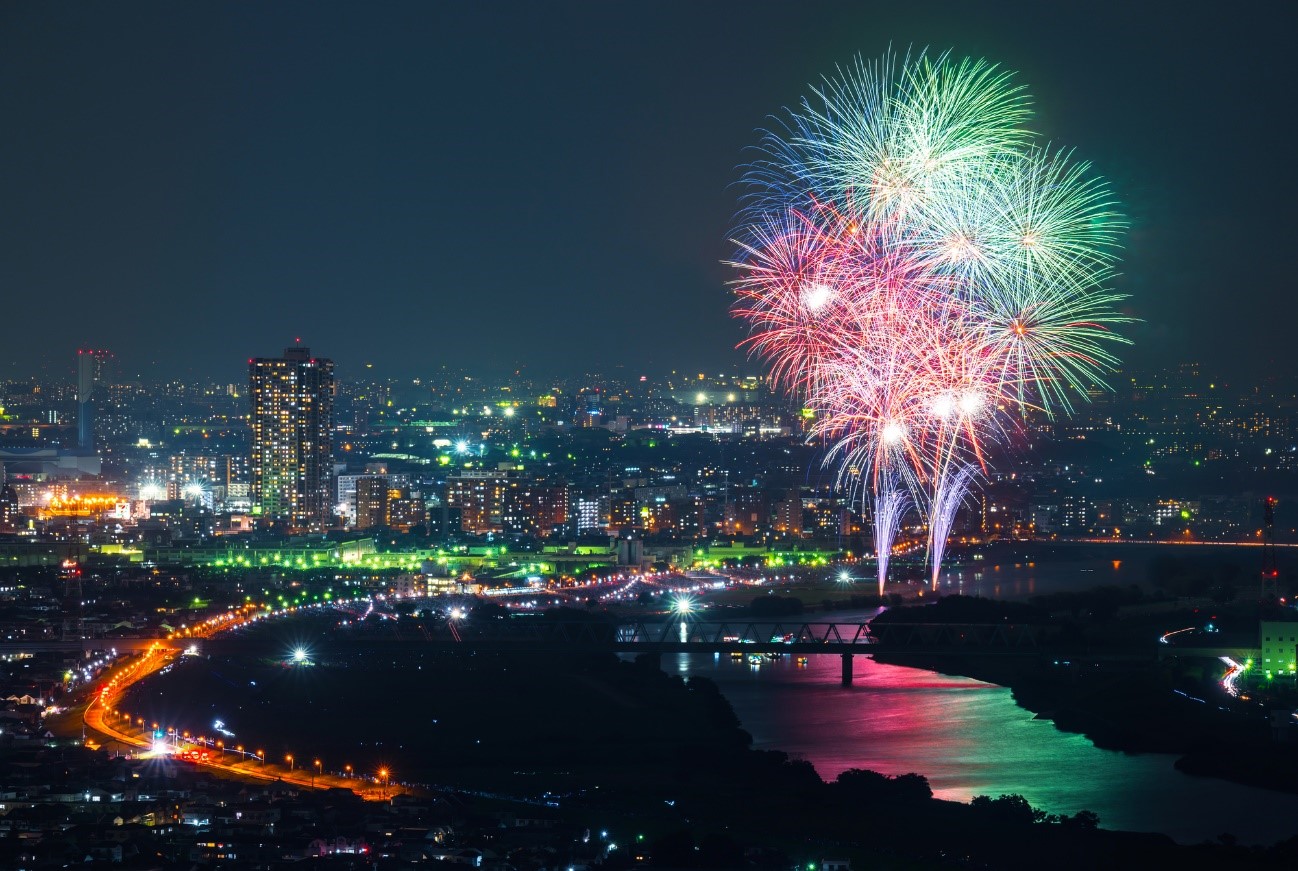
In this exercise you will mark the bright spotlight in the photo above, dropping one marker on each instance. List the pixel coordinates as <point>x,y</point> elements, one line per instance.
<point>300,654</point>
<point>461,447</point>
<point>683,605</point>
<point>844,577</point>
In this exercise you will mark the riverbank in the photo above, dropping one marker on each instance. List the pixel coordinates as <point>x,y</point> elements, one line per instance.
<point>1102,679</point>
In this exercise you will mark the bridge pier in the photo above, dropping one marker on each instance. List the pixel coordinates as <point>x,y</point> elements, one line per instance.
<point>847,669</point>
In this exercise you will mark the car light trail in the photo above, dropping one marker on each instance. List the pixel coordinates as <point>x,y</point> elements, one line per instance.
<point>1233,671</point>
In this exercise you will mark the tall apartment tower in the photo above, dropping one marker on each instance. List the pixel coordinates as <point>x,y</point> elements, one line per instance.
<point>91,367</point>
<point>292,426</point>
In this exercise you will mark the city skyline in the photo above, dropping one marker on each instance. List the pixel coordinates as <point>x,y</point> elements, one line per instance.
<point>568,196</point>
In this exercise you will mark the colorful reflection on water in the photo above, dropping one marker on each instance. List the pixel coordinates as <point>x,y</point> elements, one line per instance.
<point>970,738</point>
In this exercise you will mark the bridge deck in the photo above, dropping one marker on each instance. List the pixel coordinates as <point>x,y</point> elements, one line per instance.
<point>537,635</point>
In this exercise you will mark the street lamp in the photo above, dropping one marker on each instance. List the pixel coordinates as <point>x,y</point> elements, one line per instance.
<point>220,745</point>
<point>289,757</point>
<point>383,775</point>
<point>261,755</point>
<point>318,770</point>
<point>348,770</point>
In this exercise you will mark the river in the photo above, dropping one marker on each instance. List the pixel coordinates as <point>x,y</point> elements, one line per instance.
<point>970,738</point>
<point>1024,569</point>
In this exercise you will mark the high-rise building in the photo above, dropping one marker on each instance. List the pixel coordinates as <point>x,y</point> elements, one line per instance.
<point>479,494</point>
<point>372,501</point>
<point>292,424</point>
<point>587,515</point>
<point>91,366</point>
<point>535,508</point>
<point>786,515</point>
<point>406,510</point>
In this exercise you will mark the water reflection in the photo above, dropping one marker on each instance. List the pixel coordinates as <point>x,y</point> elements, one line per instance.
<point>1046,568</point>
<point>970,738</point>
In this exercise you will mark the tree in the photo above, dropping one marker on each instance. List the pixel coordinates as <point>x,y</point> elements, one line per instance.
<point>1084,819</point>
<point>857,784</point>
<point>1008,809</point>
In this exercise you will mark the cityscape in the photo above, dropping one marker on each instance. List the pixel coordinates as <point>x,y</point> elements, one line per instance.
<point>97,463</point>
<point>914,524</point>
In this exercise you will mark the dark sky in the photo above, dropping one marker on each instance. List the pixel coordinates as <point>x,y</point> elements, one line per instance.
<point>489,184</point>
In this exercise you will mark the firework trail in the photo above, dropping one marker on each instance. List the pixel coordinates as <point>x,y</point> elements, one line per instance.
<point>890,504</point>
<point>948,494</point>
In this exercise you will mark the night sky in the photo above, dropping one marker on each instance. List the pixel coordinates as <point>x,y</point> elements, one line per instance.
<point>489,185</point>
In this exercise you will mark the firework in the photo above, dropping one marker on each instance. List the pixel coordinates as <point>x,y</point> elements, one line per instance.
<point>890,504</point>
<point>947,495</point>
<point>917,270</point>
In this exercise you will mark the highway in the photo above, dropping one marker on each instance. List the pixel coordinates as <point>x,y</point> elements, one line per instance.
<point>105,724</point>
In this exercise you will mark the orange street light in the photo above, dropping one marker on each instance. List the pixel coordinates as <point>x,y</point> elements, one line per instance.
<point>289,758</point>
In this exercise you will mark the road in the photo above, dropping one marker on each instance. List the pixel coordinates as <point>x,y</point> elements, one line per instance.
<point>105,724</point>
